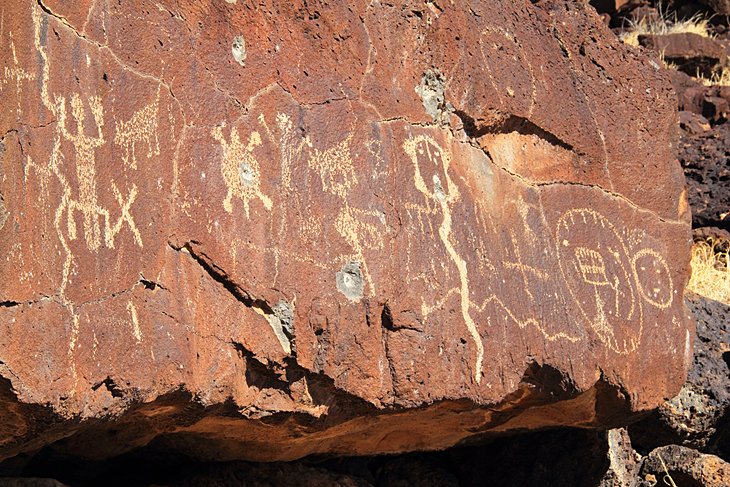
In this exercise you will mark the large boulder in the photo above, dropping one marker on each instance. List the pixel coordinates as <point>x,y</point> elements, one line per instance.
<point>265,232</point>
<point>690,53</point>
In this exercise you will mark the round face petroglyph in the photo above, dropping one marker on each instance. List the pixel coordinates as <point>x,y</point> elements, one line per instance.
<point>595,266</point>
<point>653,278</point>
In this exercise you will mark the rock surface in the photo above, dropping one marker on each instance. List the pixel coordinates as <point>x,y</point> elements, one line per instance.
<point>697,416</point>
<point>705,157</point>
<point>691,53</point>
<point>685,466</point>
<point>264,233</point>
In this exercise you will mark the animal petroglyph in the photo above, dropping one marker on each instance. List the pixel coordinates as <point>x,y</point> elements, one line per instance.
<point>337,174</point>
<point>85,136</point>
<point>594,263</point>
<point>509,315</point>
<point>141,128</point>
<point>427,154</point>
<point>335,168</point>
<point>240,169</point>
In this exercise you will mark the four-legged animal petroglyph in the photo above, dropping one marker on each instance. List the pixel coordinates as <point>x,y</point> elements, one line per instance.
<point>140,128</point>
<point>602,276</point>
<point>77,139</point>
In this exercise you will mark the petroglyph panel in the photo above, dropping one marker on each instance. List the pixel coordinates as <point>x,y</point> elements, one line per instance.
<point>260,224</point>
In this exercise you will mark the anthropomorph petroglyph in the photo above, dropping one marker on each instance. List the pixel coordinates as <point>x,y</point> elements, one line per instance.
<point>16,74</point>
<point>240,169</point>
<point>595,265</point>
<point>85,136</point>
<point>653,278</point>
<point>80,127</point>
<point>427,155</point>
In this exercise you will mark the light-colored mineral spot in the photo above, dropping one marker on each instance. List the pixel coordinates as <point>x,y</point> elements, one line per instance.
<point>3,212</point>
<point>282,323</point>
<point>350,281</point>
<point>285,313</point>
<point>431,91</point>
<point>238,48</point>
<point>246,173</point>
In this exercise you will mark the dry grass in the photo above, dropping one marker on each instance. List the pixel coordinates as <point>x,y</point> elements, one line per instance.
<point>665,24</point>
<point>710,269</point>
<point>718,79</point>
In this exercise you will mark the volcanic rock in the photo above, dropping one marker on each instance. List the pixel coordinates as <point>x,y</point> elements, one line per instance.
<point>697,416</point>
<point>706,161</point>
<point>691,53</point>
<point>721,7</point>
<point>265,232</point>
<point>685,466</point>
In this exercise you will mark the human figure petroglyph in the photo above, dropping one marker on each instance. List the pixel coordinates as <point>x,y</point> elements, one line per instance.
<point>240,169</point>
<point>427,155</point>
<point>85,137</point>
<point>289,148</point>
<point>594,262</point>
<point>16,74</point>
<point>84,147</point>
<point>140,128</point>
<point>333,165</point>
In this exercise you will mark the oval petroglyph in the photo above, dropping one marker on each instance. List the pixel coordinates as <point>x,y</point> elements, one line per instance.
<point>595,265</point>
<point>653,279</point>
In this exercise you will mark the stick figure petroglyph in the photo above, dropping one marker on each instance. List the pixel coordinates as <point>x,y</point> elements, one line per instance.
<point>83,136</point>
<point>427,155</point>
<point>16,73</point>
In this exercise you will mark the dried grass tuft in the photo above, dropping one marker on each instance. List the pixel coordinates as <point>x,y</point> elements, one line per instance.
<point>666,24</point>
<point>710,270</point>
